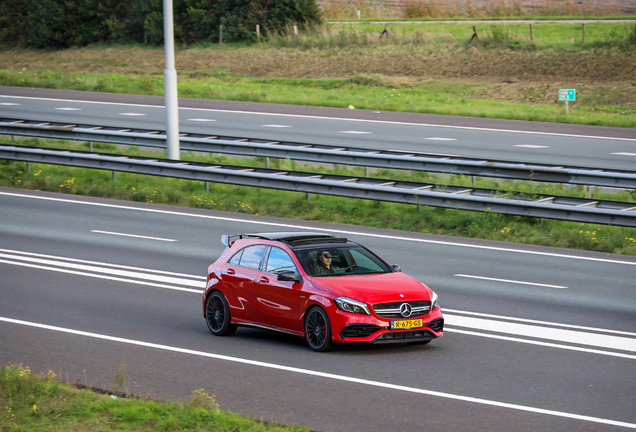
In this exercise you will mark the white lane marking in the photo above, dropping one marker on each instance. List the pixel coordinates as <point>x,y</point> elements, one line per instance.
<point>355,132</point>
<point>329,118</point>
<point>133,235</point>
<point>90,271</point>
<point>624,154</point>
<point>68,109</point>
<point>132,114</point>
<point>201,120</point>
<point>440,139</point>
<point>539,343</point>
<point>319,374</point>
<point>276,126</point>
<point>510,281</point>
<point>546,323</point>
<point>532,146</point>
<point>138,282</point>
<point>31,254</point>
<point>301,227</point>
<point>9,103</point>
<point>553,334</point>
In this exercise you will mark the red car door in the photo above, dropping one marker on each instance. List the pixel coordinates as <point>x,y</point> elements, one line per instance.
<point>279,302</point>
<point>239,276</point>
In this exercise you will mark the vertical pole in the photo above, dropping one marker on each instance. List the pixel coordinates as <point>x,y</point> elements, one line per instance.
<point>28,166</point>
<point>266,162</point>
<point>114,175</point>
<point>258,32</point>
<point>567,106</point>
<point>473,180</point>
<point>220,33</point>
<point>308,196</point>
<point>170,85</point>
<point>296,30</point>
<point>583,33</point>
<point>366,171</point>
<point>207,187</point>
<point>531,36</point>
<point>90,146</point>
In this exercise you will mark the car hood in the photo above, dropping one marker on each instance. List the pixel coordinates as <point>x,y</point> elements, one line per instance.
<point>377,288</point>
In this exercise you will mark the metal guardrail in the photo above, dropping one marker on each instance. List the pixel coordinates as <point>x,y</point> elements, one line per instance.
<point>552,207</point>
<point>327,154</point>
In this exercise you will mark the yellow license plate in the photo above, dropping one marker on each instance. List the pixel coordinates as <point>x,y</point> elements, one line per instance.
<point>406,324</point>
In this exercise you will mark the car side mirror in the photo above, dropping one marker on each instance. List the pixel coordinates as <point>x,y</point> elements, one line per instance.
<point>397,267</point>
<point>288,275</point>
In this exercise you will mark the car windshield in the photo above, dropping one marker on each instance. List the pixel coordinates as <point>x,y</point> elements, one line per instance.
<point>340,260</point>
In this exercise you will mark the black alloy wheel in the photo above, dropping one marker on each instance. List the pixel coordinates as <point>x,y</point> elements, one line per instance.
<point>318,330</point>
<point>217,315</point>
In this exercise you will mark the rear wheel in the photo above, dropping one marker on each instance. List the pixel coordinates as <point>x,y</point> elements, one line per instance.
<point>318,330</point>
<point>217,315</point>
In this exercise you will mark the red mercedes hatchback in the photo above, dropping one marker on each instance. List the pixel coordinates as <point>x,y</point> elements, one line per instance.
<point>327,289</point>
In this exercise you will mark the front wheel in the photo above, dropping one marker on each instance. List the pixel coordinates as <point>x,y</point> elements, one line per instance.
<point>318,330</point>
<point>217,315</point>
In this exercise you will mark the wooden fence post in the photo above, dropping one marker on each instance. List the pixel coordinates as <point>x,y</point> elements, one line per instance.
<point>387,32</point>
<point>296,30</point>
<point>220,33</point>
<point>531,37</point>
<point>583,32</point>
<point>474,36</point>
<point>258,32</point>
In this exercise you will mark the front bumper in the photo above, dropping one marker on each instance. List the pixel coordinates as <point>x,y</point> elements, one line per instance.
<point>364,329</point>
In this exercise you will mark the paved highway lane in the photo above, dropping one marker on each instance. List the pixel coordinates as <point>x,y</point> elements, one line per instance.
<point>596,147</point>
<point>547,339</point>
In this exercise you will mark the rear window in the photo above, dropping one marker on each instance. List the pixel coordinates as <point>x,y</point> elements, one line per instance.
<point>250,257</point>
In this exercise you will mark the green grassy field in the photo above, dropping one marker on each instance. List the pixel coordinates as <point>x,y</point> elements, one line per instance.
<point>32,403</point>
<point>490,226</point>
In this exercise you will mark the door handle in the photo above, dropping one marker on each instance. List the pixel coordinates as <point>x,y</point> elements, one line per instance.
<point>230,271</point>
<point>264,280</point>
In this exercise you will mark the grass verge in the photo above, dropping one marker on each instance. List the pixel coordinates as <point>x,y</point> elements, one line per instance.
<point>240,199</point>
<point>37,403</point>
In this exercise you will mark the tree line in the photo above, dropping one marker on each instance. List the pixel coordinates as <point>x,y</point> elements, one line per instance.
<point>54,24</point>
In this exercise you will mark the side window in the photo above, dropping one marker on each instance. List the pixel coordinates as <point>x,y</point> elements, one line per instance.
<point>236,258</point>
<point>278,261</point>
<point>252,256</point>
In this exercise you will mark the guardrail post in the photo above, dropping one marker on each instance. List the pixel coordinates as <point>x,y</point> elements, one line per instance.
<point>207,187</point>
<point>90,146</point>
<point>589,191</point>
<point>473,180</point>
<point>114,175</point>
<point>308,196</point>
<point>28,166</point>
<point>266,162</point>
<point>366,171</point>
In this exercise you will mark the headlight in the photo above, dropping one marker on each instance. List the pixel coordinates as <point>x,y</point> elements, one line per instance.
<point>352,306</point>
<point>434,301</point>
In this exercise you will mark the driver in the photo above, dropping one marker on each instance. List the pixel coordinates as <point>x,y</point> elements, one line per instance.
<point>322,264</point>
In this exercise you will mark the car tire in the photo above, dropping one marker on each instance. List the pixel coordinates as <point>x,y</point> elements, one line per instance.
<point>424,342</point>
<point>318,330</point>
<point>217,315</point>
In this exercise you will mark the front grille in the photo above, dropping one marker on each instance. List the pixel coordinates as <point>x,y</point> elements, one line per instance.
<point>358,330</point>
<point>392,310</point>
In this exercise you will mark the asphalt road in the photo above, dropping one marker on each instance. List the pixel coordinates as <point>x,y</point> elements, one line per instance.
<point>574,145</point>
<point>536,338</point>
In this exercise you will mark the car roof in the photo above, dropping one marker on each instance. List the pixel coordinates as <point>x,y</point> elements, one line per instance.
<point>294,237</point>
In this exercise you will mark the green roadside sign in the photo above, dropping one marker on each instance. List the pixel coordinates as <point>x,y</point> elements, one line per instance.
<point>567,94</point>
